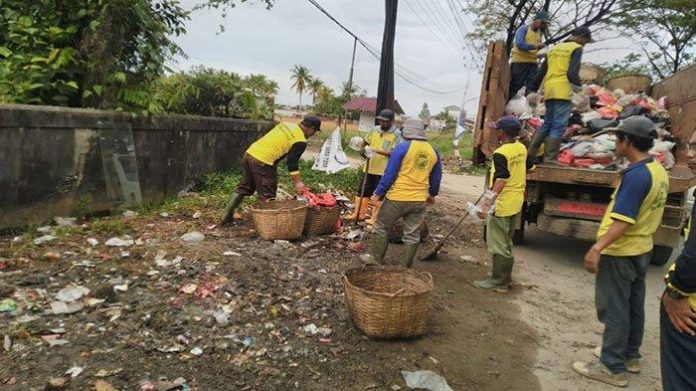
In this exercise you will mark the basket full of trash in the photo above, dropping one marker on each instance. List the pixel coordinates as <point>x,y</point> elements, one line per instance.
<point>322,215</point>
<point>279,219</point>
<point>388,301</point>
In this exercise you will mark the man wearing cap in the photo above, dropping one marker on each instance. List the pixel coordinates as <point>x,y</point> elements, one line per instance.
<point>380,142</point>
<point>411,179</point>
<point>527,43</point>
<point>502,202</point>
<point>560,74</point>
<point>261,158</point>
<point>621,254</point>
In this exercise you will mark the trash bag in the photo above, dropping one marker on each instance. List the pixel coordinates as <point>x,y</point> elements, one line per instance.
<point>632,110</point>
<point>427,380</point>
<point>598,124</point>
<point>582,148</point>
<point>665,149</point>
<point>581,103</point>
<point>518,106</point>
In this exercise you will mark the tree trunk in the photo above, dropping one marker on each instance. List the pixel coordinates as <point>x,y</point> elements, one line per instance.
<point>300,101</point>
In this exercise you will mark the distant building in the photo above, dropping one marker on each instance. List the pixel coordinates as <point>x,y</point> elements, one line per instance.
<point>436,125</point>
<point>453,111</point>
<point>367,108</point>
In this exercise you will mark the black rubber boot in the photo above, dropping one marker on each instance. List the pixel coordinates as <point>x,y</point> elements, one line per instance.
<point>534,145</point>
<point>232,205</point>
<point>553,146</point>
<point>409,254</point>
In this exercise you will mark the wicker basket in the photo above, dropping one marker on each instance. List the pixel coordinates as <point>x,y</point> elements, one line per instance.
<point>631,84</point>
<point>321,220</point>
<point>591,73</point>
<point>279,219</point>
<point>388,301</point>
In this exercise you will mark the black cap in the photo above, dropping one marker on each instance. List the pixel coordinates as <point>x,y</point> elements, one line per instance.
<point>509,125</point>
<point>638,126</point>
<point>583,31</point>
<point>543,16</point>
<point>313,122</point>
<point>386,115</point>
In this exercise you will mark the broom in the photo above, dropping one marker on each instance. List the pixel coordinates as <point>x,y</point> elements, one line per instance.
<point>433,253</point>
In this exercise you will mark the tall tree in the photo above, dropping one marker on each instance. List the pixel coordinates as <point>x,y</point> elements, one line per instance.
<point>261,85</point>
<point>424,113</point>
<point>315,86</point>
<point>301,78</point>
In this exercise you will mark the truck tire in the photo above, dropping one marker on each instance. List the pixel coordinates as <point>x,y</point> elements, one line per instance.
<point>660,255</point>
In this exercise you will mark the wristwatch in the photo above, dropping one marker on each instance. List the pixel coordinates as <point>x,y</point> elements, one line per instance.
<point>674,294</point>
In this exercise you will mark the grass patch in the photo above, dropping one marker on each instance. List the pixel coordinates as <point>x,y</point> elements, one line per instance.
<point>110,226</point>
<point>443,142</point>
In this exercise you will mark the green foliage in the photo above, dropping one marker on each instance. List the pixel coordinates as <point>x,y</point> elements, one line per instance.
<point>217,93</point>
<point>424,113</point>
<point>630,64</point>
<point>86,53</point>
<point>110,226</point>
<point>301,79</point>
<point>83,206</point>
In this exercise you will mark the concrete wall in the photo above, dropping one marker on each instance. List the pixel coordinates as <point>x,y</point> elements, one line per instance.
<point>52,160</point>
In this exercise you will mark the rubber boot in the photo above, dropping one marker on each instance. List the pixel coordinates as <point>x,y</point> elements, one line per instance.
<point>534,145</point>
<point>378,248</point>
<point>553,146</point>
<point>499,275</point>
<point>374,211</point>
<point>506,270</point>
<point>359,210</point>
<point>232,205</point>
<point>409,254</point>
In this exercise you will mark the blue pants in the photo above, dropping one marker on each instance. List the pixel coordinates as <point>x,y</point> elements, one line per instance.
<point>677,357</point>
<point>620,302</point>
<point>556,118</point>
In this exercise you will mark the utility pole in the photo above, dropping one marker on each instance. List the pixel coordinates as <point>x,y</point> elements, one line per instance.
<point>385,89</point>
<point>350,84</point>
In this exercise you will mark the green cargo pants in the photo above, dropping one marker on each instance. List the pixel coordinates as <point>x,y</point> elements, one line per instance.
<point>499,231</point>
<point>413,213</point>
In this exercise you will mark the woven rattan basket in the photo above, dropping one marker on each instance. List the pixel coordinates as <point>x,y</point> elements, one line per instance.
<point>631,84</point>
<point>321,220</point>
<point>279,219</point>
<point>388,301</point>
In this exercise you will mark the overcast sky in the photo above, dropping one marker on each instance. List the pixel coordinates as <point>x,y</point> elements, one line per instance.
<point>256,40</point>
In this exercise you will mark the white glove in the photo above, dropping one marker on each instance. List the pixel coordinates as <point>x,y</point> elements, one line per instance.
<point>356,143</point>
<point>474,211</point>
<point>369,152</point>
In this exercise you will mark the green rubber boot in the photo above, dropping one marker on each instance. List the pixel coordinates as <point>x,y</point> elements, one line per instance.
<point>500,276</point>
<point>378,248</point>
<point>409,254</point>
<point>534,145</point>
<point>232,205</point>
<point>553,146</point>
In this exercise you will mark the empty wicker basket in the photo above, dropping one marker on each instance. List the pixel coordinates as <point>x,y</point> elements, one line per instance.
<point>279,219</point>
<point>388,301</point>
<point>321,220</point>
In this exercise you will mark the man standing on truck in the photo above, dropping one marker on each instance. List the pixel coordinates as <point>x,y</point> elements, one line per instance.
<point>523,64</point>
<point>381,140</point>
<point>622,253</point>
<point>503,202</point>
<point>560,74</point>
<point>678,316</point>
<point>260,160</point>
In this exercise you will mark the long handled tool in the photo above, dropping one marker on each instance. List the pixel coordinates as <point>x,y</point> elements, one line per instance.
<point>433,253</point>
<point>362,191</point>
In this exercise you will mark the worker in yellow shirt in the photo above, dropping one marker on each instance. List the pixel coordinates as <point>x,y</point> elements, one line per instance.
<point>560,74</point>
<point>523,60</point>
<point>622,252</point>
<point>412,179</point>
<point>380,142</point>
<point>503,202</point>
<point>261,158</point>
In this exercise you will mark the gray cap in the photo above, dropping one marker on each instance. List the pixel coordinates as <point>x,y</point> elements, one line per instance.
<point>638,126</point>
<point>543,16</point>
<point>386,115</point>
<point>414,130</point>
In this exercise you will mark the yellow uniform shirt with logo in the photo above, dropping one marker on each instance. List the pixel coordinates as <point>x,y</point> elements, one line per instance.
<point>692,296</point>
<point>383,141</point>
<point>531,37</point>
<point>510,165</point>
<point>276,144</point>
<point>556,83</point>
<point>640,201</point>
<point>414,171</point>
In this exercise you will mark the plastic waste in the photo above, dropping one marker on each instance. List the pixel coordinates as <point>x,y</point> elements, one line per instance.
<point>8,305</point>
<point>192,237</point>
<point>356,143</point>
<point>519,105</point>
<point>427,380</point>
<point>72,293</point>
<point>118,242</point>
<point>64,221</point>
<point>43,239</point>
<point>61,307</point>
<point>474,211</point>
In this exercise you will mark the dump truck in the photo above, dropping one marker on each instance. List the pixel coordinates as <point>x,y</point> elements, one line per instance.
<point>570,201</point>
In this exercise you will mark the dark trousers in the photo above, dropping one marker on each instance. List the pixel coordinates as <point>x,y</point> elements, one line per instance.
<point>257,177</point>
<point>620,302</point>
<point>677,357</point>
<point>521,75</point>
<point>371,183</point>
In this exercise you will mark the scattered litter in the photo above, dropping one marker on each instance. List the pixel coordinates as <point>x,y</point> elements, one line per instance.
<point>7,343</point>
<point>54,340</point>
<point>129,214</point>
<point>197,215</point>
<point>60,307</point>
<point>121,288</point>
<point>118,242</point>
<point>101,385</point>
<point>44,239</point>
<point>64,221</point>
<point>164,214</point>
<point>427,380</point>
<point>45,229</point>
<point>72,293</point>
<point>125,254</point>
<point>75,371</point>
<point>8,305</point>
<point>196,351</point>
<point>92,242</point>
<point>231,254</point>
<point>188,288</point>
<point>57,383</point>
<point>193,237</point>
<point>221,317</point>
<point>468,258</point>
<point>108,373</point>
<point>314,330</point>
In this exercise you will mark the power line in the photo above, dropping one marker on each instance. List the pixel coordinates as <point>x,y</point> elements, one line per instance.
<point>446,45</point>
<point>375,53</point>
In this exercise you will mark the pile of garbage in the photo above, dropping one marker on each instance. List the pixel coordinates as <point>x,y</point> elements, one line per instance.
<point>596,110</point>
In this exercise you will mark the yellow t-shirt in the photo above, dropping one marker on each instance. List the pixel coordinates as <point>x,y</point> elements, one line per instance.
<point>275,144</point>
<point>383,141</point>
<point>414,171</point>
<point>527,56</point>
<point>511,160</point>
<point>640,201</point>
<point>556,83</point>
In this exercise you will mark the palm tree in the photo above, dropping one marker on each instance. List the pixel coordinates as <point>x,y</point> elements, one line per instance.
<point>301,77</point>
<point>315,85</point>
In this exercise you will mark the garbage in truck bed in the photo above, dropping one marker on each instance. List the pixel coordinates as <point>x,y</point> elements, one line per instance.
<point>588,142</point>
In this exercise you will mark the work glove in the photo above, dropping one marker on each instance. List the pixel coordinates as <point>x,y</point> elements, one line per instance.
<point>369,152</point>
